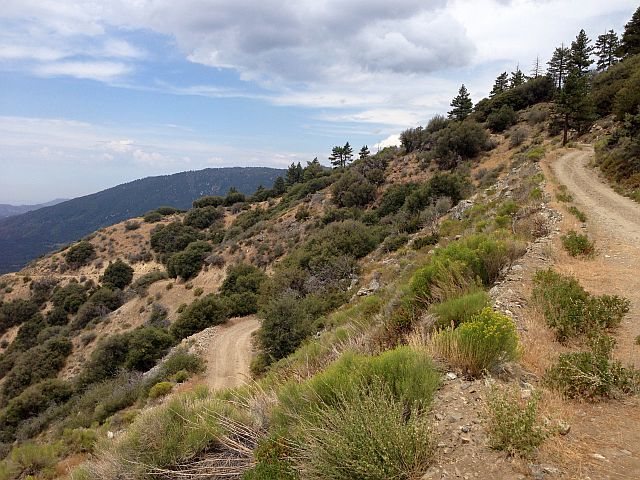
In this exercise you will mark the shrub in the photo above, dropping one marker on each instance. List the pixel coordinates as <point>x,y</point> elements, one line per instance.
<point>578,214</point>
<point>31,460</point>
<point>371,436</point>
<point>242,278</point>
<point>180,360</point>
<point>577,244</point>
<point>513,423</point>
<point>152,217</point>
<point>203,217</point>
<point>570,311</point>
<point>394,242</point>
<point>499,120</point>
<point>99,304</point>
<point>131,225</point>
<point>160,390</point>
<point>285,325</point>
<point>208,201</point>
<point>592,374</point>
<point>145,346</point>
<point>421,242</point>
<point>173,237</point>
<point>117,275</point>
<point>481,344</point>
<point>142,284</point>
<point>69,297</point>
<point>202,313</point>
<point>188,263</point>
<point>460,140</point>
<point>15,313</point>
<point>353,190</point>
<point>462,309</point>
<point>563,195</point>
<point>80,254</point>
<point>518,137</point>
<point>394,197</point>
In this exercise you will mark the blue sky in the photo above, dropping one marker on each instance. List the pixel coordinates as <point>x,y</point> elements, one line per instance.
<point>95,93</point>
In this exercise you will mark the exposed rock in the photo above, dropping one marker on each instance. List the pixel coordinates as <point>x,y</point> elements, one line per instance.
<point>458,211</point>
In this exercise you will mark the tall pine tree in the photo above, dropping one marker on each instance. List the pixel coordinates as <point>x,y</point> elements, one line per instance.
<point>462,105</point>
<point>630,43</point>
<point>558,66</point>
<point>606,49</point>
<point>500,85</point>
<point>517,78</point>
<point>364,152</point>
<point>580,53</point>
<point>337,156</point>
<point>536,70</point>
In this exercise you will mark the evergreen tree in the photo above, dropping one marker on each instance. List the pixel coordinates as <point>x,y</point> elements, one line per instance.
<point>341,156</point>
<point>462,105</point>
<point>606,49</point>
<point>574,104</point>
<point>517,78</point>
<point>558,66</point>
<point>630,43</point>
<point>580,53</point>
<point>501,84</point>
<point>279,187</point>
<point>536,70</point>
<point>312,170</point>
<point>294,174</point>
<point>337,156</point>
<point>348,154</point>
<point>364,152</point>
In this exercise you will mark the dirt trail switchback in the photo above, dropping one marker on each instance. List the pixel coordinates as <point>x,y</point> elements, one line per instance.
<point>229,353</point>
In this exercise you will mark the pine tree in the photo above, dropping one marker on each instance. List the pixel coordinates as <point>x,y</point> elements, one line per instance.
<point>580,53</point>
<point>574,104</point>
<point>462,105</point>
<point>536,70</point>
<point>517,78</point>
<point>501,84</point>
<point>348,154</point>
<point>606,49</point>
<point>337,156</point>
<point>630,43</point>
<point>364,152</point>
<point>558,66</point>
<point>294,174</point>
<point>279,187</point>
<point>312,170</point>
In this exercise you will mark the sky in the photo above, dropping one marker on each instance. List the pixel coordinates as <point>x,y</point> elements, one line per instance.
<point>94,93</point>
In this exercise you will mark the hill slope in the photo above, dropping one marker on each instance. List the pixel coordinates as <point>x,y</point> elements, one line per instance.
<point>7,210</point>
<point>24,237</point>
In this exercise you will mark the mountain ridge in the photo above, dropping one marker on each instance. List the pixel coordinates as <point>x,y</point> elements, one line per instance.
<point>26,236</point>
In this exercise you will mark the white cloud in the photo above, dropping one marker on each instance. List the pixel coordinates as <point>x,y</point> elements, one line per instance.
<point>102,71</point>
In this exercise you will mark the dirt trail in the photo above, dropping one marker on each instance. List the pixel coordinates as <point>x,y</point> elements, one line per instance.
<point>610,429</point>
<point>229,353</point>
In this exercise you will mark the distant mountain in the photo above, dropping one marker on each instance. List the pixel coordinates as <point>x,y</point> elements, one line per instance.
<point>25,237</point>
<point>7,210</point>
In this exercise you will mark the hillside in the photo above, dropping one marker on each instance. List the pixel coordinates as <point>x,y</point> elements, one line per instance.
<point>24,237</point>
<point>7,210</point>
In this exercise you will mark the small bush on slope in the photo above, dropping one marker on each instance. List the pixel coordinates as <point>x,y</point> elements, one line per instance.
<point>514,425</point>
<point>118,275</point>
<point>370,436</point>
<point>80,254</point>
<point>577,244</point>
<point>459,310</point>
<point>202,313</point>
<point>570,310</point>
<point>592,374</point>
<point>479,345</point>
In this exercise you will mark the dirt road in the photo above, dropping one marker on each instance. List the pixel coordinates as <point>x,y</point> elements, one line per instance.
<point>229,353</point>
<point>606,437</point>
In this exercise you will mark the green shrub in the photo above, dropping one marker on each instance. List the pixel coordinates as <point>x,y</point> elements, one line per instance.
<point>563,195</point>
<point>409,376</point>
<point>16,312</point>
<point>460,141</point>
<point>462,309</point>
<point>79,440</point>
<point>578,214</point>
<point>421,242</point>
<point>514,424</point>
<point>204,312</point>
<point>592,374</point>
<point>31,461</point>
<point>481,344</point>
<point>117,275</point>
<point>100,303</point>
<point>285,325</point>
<point>353,190</point>
<point>145,346</point>
<point>577,244</point>
<point>160,390</point>
<point>535,154</point>
<point>142,284</point>
<point>69,297</point>
<point>131,225</point>
<point>187,264</point>
<point>370,436</point>
<point>394,242</point>
<point>203,217</point>
<point>242,278</point>
<point>499,120</point>
<point>180,360</point>
<point>394,197</point>
<point>570,310</point>
<point>152,217</point>
<point>173,237</point>
<point>80,254</point>
<point>208,201</point>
